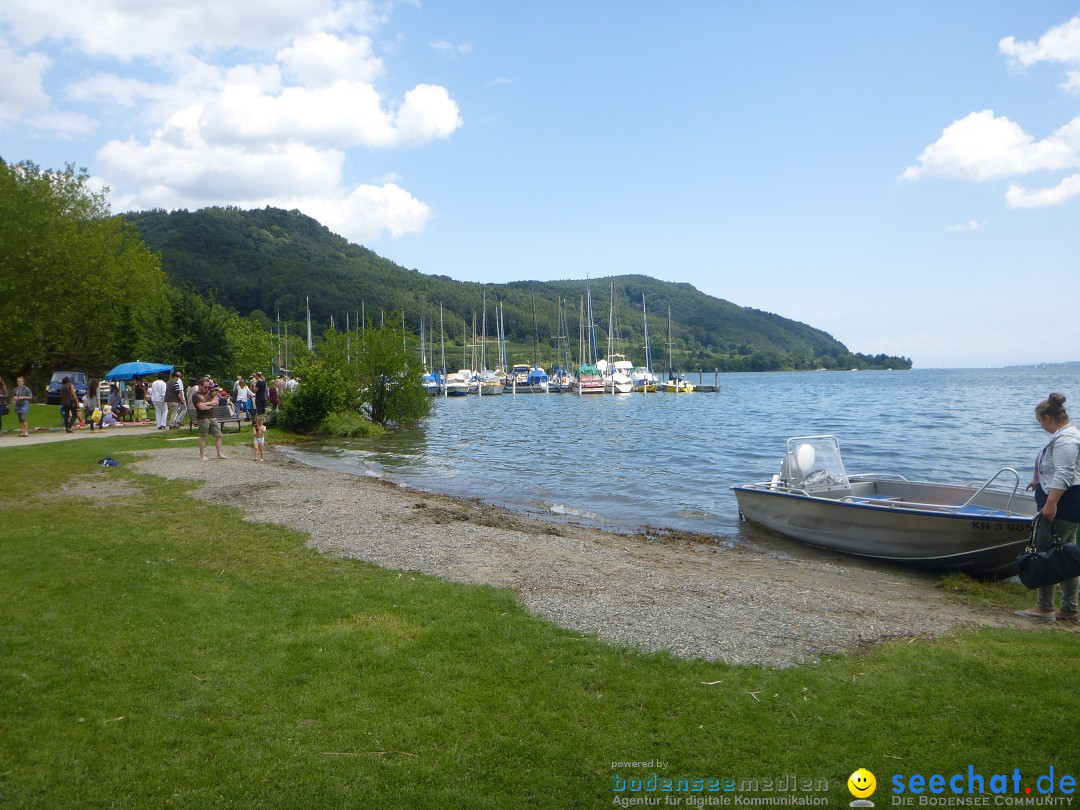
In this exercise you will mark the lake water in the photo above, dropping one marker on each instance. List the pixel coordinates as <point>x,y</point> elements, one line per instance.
<point>668,460</point>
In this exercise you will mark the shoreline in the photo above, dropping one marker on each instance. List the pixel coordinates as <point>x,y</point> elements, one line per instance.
<point>735,605</point>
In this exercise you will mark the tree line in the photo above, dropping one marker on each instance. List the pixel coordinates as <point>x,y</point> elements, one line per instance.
<point>269,263</point>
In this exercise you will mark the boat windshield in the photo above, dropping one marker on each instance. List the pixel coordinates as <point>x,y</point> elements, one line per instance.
<point>813,463</point>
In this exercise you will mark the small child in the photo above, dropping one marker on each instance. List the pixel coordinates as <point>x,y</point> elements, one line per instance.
<point>260,436</point>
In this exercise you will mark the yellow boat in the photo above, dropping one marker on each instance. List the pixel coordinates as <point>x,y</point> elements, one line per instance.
<point>677,386</point>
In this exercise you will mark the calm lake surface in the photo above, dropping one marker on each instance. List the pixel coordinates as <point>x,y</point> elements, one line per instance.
<point>667,460</point>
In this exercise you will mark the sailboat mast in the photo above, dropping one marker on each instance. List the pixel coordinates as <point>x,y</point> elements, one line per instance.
<point>442,341</point>
<point>669,342</point>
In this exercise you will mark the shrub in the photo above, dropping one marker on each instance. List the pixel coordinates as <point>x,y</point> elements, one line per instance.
<point>321,392</point>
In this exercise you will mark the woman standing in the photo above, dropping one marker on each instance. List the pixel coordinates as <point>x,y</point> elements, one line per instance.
<point>69,403</point>
<point>21,397</point>
<point>90,403</point>
<point>243,396</point>
<point>1057,493</point>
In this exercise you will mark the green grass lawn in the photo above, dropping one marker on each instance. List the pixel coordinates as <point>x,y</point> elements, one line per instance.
<point>156,651</point>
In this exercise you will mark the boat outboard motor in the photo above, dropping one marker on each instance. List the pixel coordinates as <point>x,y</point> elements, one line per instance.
<point>798,464</point>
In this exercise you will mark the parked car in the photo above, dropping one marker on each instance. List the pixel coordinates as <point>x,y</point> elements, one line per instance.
<point>79,378</point>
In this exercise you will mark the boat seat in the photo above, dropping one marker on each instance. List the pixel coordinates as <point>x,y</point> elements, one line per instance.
<point>874,500</point>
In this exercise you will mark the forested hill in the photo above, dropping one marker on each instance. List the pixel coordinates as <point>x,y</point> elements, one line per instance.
<point>268,261</point>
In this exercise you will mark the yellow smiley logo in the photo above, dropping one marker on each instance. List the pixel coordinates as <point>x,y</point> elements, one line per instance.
<point>861,783</point>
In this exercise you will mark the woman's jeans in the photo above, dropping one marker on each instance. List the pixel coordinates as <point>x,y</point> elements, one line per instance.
<point>1043,540</point>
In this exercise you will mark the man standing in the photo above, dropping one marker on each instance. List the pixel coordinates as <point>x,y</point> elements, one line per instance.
<point>205,400</point>
<point>260,394</point>
<point>20,398</point>
<point>176,399</point>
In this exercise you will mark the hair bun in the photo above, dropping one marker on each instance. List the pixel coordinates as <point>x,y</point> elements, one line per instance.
<point>1056,399</point>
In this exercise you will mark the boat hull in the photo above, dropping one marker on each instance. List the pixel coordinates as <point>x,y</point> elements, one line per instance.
<point>981,541</point>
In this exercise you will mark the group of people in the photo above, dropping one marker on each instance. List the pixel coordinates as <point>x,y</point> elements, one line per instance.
<point>172,401</point>
<point>167,396</point>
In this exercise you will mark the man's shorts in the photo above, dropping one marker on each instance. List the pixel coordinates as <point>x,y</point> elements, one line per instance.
<point>210,427</point>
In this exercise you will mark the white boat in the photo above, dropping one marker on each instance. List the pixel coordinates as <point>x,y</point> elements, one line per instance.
<point>643,380</point>
<point>975,528</point>
<point>490,383</point>
<point>432,384</point>
<point>616,371</point>
<point>457,383</point>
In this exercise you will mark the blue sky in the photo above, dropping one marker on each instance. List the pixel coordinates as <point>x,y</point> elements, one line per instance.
<point>904,176</point>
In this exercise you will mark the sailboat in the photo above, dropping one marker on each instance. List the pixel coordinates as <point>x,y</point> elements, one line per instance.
<point>675,384</point>
<point>488,382</point>
<point>642,377</point>
<point>615,368</point>
<point>589,379</point>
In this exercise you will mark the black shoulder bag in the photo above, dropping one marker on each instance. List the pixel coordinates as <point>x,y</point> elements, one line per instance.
<point>1037,569</point>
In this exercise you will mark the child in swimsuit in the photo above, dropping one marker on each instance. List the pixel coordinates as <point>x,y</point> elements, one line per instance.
<point>260,436</point>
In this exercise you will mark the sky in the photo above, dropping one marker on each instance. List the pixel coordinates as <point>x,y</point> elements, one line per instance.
<point>904,176</point>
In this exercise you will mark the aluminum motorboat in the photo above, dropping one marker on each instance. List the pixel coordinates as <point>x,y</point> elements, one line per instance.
<point>975,528</point>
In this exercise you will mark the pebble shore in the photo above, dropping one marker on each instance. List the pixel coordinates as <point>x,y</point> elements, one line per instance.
<point>691,599</point>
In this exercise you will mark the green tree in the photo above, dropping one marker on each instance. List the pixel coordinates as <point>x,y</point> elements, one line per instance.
<point>189,332</point>
<point>251,347</point>
<point>390,388</point>
<point>70,273</point>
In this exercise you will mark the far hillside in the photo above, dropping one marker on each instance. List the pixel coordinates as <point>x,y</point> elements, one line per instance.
<point>267,262</point>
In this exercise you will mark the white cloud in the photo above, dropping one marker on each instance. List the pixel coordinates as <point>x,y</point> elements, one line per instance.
<point>126,30</point>
<point>982,146</point>
<point>1059,44</point>
<point>242,150</point>
<point>970,225</point>
<point>367,211</point>
<point>21,89</point>
<point>250,103</point>
<point>451,48</point>
<point>1019,197</point>
<point>427,113</point>
<point>323,58</point>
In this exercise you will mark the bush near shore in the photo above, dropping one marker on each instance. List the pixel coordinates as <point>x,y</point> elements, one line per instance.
<point>161,651</point>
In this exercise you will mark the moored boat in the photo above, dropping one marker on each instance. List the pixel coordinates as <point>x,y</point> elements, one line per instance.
<point>587,381</point>
<point>616,371</point>
<point>977,528</point>
<point>457,383</point>
<point>676,385</point>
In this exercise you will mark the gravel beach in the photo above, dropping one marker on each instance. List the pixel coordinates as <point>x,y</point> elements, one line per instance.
<point>688,596</point>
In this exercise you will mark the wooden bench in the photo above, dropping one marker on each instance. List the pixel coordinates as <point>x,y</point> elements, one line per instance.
<point>222,414</point>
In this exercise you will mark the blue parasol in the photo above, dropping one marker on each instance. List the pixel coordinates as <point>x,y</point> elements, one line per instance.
<point>125,371</point>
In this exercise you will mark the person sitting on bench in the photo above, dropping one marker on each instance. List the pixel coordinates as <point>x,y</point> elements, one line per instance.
<point>116,402</point>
